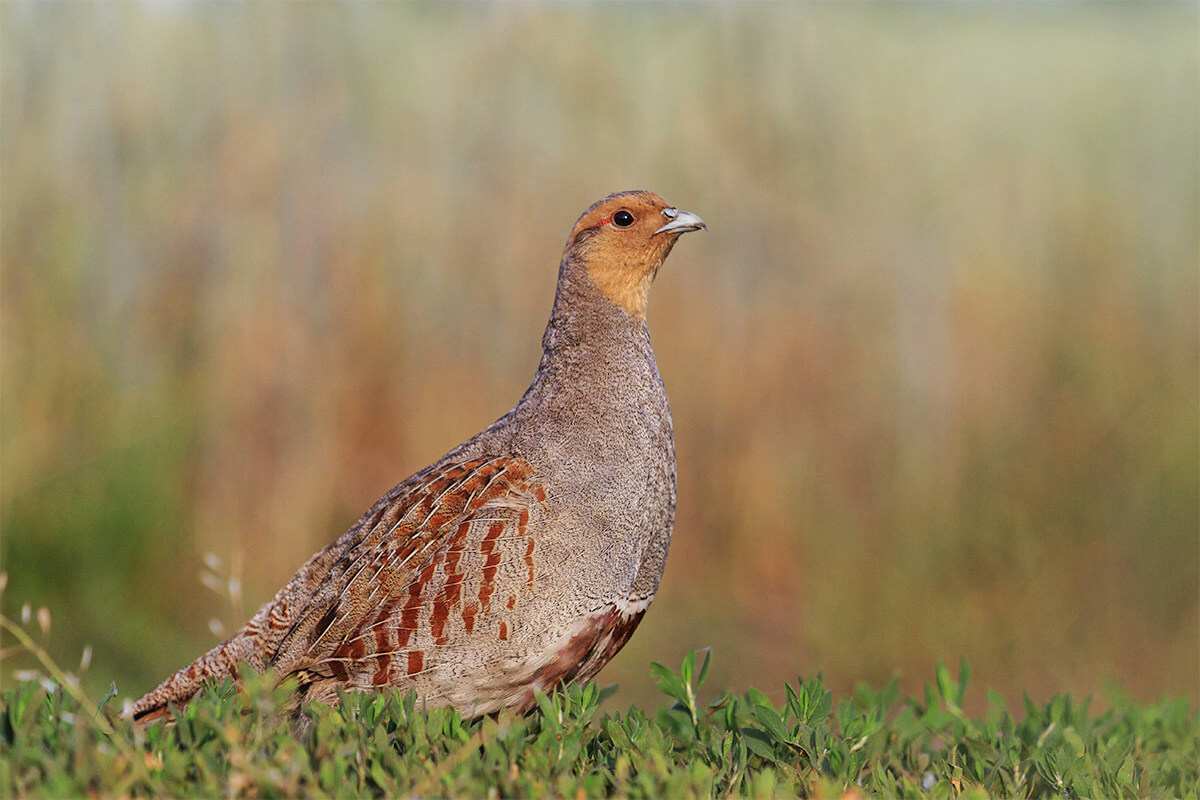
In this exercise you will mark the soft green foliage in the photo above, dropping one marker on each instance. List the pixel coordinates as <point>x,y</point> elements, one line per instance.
<point>235,741</point>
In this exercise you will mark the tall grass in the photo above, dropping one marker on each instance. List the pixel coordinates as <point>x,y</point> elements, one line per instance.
<point>934,369</point>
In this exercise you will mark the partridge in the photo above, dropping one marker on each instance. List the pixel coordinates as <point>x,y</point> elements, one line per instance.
<point>527,555</point>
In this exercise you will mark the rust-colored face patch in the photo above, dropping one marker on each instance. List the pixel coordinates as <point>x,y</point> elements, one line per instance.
<point>616,240</point>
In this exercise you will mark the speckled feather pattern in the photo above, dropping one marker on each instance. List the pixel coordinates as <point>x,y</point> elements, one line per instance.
<point>525,556</point>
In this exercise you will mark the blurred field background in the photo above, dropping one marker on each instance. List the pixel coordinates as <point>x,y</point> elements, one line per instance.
<point>934,369</point>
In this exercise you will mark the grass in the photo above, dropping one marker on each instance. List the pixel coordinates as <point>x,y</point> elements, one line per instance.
<point>230,742</point>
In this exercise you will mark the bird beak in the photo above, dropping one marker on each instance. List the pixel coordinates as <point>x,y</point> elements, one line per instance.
<point>681,222</point>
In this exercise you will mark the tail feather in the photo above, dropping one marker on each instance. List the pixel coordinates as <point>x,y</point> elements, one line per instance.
<point>258,642</point>
<point>219,663</point>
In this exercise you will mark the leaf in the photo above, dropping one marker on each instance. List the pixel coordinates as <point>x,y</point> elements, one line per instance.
<point>759,743</point>
<point>770,720</point>
<point>757,698</point>
<point>685,669</point>
<point>820,710</point>
<point>668,684</point>
<point>945,683</point>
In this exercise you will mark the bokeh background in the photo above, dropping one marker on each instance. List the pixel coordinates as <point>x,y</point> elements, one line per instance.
<point>934,369</point>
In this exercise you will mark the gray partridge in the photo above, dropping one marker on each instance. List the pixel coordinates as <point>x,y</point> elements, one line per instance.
<point>527,555</point>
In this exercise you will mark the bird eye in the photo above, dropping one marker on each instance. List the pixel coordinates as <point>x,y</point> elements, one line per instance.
<point>622,219</point>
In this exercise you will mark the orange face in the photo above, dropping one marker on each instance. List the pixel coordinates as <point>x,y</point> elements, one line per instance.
<point>624,239</point>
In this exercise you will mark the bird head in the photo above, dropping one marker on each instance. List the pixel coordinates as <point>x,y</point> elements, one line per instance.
<point>622,241</point>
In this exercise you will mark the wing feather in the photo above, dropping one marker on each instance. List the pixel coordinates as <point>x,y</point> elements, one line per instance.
<point>374,587</point>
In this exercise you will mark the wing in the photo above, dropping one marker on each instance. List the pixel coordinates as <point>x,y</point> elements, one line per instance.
<point>360,622</point>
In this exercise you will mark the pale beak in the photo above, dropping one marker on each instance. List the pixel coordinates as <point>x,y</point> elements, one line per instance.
<point>681,222</point>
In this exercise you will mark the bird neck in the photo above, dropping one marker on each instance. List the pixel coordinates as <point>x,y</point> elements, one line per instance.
<point>585,325</point>
<point>597,369</point>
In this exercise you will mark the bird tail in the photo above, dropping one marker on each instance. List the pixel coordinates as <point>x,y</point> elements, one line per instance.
<point>218,663</point>
<point>256,643</point>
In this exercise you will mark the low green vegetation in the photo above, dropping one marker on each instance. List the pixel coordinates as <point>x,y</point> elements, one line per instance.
<point>804,742</point>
